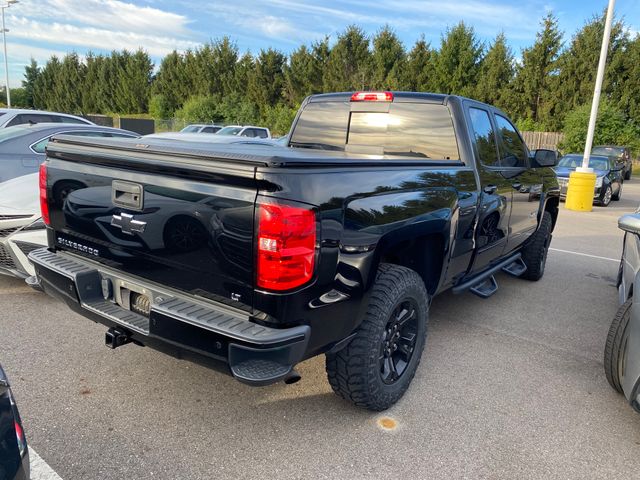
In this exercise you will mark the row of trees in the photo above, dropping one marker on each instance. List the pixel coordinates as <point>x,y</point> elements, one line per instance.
<point>217,82</point>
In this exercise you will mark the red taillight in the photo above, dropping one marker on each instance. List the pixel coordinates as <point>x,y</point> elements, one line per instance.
<point>44,206</point>
<point>22,443</point>
<point>372,97</point>
<point>286,246</point>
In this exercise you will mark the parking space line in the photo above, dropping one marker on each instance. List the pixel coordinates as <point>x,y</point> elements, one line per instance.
<point>617,260</point>
<point>40,470</point>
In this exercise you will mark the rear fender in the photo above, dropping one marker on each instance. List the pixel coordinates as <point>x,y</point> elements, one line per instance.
<point>413,229</point>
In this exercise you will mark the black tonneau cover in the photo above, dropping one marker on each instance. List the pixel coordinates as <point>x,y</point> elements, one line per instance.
<point>95,149</point>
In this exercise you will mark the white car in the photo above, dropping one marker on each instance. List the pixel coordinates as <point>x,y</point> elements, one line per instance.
<point>245,131</point>
<point>19,203</point>
<point>19,209</point>
<point>201,128</point>
<point>15,249</point>
<point>18,116</point>
<point>198,137</point>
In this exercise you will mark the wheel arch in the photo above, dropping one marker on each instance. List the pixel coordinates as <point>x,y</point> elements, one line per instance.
<point>552,205</point>
<point>425,254</point>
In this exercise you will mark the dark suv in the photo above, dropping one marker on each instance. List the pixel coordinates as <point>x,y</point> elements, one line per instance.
<point>621,154</point>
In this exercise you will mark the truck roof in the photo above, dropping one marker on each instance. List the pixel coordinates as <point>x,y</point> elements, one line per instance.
<point>425,97</point>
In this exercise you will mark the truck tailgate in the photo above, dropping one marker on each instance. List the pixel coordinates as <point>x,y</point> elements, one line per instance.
<point>182,222</point>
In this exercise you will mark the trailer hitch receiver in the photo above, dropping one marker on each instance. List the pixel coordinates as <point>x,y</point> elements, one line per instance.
<point>115,337</point>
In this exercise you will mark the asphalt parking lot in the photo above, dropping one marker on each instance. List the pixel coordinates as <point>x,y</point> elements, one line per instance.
<point>509,387</point>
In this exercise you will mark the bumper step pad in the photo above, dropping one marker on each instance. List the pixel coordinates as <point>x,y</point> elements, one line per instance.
<point>257,354</point>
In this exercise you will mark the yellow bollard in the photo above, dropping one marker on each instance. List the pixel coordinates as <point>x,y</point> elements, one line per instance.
<point>580,191</point>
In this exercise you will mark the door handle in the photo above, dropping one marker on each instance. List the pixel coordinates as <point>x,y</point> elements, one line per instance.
<point>490,189</point>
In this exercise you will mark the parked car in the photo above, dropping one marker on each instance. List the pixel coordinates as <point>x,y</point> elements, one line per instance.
<point>22,147</point>
<point>622,348</point>
<point>19,203</point>
<point>10,117</point>
<point>14,451</point>
<point>201,128</point>
<point>219,139</point>
<point>622,156</point>
<point>608,176</point>
<point>246,131</point>
<point>283,141</point>
<point>15,248</point>
<point>335,245</point>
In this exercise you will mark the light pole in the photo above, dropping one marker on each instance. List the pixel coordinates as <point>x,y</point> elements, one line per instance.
<point>580,197</point>
<point>4,42</point>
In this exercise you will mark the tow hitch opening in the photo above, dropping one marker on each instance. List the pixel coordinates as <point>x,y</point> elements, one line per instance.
<point>115,337</point>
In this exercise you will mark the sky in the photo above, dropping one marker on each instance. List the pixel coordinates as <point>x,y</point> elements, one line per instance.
<point>41,28</point>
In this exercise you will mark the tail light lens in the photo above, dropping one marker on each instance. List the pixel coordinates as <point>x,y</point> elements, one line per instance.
<point>22,442</point>
<point>44,206</point>
<point>286,246</point>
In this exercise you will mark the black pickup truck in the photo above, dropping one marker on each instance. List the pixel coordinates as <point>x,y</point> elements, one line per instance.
<point>256,258</point>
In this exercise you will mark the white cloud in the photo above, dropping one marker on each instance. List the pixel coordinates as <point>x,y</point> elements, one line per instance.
<point>20,54</point>
<point>94,38</point>
<point>107,15</point>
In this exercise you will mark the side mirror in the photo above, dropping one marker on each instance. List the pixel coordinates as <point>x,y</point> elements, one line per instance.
<point>545,158</point>
<point>630,223</point>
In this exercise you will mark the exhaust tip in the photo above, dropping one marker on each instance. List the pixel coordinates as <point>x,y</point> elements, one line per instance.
<point>292,377</point>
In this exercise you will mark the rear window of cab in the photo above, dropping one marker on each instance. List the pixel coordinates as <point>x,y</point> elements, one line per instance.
<point>409,130</point>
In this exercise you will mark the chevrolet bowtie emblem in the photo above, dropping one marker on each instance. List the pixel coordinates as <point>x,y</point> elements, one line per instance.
<point>127,224</point>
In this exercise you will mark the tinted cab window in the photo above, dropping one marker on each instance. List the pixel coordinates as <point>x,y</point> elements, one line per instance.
<point>484,136</point>
<point>513,152</point>
<point>413,130</point>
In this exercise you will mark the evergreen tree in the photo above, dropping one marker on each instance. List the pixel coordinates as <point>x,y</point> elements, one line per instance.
<point>225,58</point>
<point>625,79</point>
<point>171,81</point>
<point>348,65</point>
<point>134,81</point>
<point>67,88</point>
<point>243,71</point>
<point>267,78</point>
<point>388,61</point>
<point>419,76</point>
<point>577,66</point>
<point>321,52</point>
<point>298,76</point>
<point>457,63</point>
<point>496,73</point>
<point>91,102</point>
<point>532,92</point>
<point>44,85</point>
<point>31,73</point>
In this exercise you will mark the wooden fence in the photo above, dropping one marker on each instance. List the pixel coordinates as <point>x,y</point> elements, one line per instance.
<point>548,140</point>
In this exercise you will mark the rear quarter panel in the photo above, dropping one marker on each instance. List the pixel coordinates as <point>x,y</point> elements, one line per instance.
<point>364,212</point>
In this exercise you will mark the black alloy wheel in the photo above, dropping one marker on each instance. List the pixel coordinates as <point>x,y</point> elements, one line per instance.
<point>398,342</point>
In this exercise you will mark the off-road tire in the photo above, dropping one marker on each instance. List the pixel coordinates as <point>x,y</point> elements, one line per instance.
<point>534,253</point>
<point>616,344</point>
<point>354,371</point>
<point>627,176</point>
